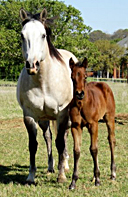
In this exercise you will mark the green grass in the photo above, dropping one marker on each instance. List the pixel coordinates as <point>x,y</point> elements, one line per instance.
<point>4,82</point>
<point>14,155</point>
<point>9,107</point>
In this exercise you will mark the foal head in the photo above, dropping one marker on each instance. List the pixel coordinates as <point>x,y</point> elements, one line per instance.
<point>78,77</point>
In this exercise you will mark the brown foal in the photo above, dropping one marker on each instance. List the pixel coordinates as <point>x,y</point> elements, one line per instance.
<point>91,102</point>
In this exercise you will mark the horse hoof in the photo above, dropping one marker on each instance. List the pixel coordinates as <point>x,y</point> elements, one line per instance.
<point>50,172</point>
<point>66,170</point>
<point>30,183</point>
<point>61,179</point>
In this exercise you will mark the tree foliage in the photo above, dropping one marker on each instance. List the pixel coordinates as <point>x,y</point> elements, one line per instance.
<point>67,29</point>
<point>115,37</point>
<point>69,32</point>
<point>98,35</point>
<point>110,54</point>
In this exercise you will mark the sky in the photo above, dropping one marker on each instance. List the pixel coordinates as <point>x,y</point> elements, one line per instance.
<point>105,15</point>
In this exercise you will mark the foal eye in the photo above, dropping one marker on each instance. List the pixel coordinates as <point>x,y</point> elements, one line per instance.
<point>43,36</point>
<point>78,74</point>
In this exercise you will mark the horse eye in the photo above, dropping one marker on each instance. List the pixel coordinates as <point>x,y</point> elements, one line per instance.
<point>43,36</point>
<point>22,36</point>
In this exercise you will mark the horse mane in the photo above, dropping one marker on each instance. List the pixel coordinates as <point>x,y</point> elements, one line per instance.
<point>53,51</point>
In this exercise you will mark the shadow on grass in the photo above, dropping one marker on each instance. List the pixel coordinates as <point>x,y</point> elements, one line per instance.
<point>13,174</point>
<point>18,174</point>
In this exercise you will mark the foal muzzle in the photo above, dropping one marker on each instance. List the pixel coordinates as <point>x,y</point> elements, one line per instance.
<point>32,69</point>
<point>79,95</point>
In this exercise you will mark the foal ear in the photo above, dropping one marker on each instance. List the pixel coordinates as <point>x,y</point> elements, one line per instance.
<point>85,62</point>
<point>43,15</point>
<point>71,63</point>
<point>23,14</point>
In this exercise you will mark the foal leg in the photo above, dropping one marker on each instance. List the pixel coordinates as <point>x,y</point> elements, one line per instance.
<point>32,133</point>
<point>110,122</point>
<point>94,151</point>
<point>45,126</point>
<point>77,136</point>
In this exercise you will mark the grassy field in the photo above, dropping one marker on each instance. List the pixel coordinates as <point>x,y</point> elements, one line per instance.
<point>14,155</point>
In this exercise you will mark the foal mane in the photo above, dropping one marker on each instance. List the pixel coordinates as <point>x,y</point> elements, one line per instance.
<point>80,65</point>
<point>53,51</point>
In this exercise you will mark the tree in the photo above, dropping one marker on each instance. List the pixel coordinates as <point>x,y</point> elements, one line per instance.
<point>98,35</point>
<point>119,34</point>
<point>110,54</point>
<point>68,29</point>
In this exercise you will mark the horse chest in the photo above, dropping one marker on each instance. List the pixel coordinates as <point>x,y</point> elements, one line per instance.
<point>38,105</point>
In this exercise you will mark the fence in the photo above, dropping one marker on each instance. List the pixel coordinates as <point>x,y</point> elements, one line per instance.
<point>108,79</point>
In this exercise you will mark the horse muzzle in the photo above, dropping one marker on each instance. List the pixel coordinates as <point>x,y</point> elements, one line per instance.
<point>79,95</point>
<point>32,69</point>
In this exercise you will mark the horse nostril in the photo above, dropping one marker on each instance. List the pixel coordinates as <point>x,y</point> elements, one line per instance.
<point>27,64</point>
<point>37,64</point>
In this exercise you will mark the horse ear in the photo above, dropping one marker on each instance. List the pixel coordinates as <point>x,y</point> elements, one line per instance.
<point>23,14</point>
<point>71,63</point>
<point>85,62</point>
<point>43,15</point>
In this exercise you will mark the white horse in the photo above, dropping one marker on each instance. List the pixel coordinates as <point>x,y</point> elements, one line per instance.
<point>44,89</point>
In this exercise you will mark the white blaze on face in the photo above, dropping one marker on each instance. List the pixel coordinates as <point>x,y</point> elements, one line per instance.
<point>34,41</point>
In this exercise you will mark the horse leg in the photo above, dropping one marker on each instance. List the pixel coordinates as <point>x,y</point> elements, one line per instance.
<point>66,166</point>
<point>32,133</point>
<point>110,122</point>
<point>66,156</point>
<point>45,126</point>
<point>94,151</point>
<point>77,136</point>
<point>61,145</point>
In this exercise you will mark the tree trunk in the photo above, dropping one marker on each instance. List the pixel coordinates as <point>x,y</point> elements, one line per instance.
<point>107,73</point>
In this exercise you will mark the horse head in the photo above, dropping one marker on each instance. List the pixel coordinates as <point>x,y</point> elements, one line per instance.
<point>34,39</point>
<point>78,77</point>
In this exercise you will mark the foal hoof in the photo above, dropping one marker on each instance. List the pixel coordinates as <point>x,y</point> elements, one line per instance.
<point>113,178</point>
<point>61,179</point>
<point>71,187</point>
<point>97,183</point>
